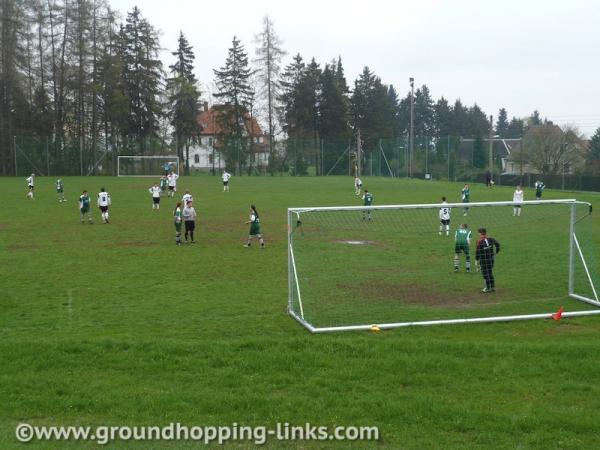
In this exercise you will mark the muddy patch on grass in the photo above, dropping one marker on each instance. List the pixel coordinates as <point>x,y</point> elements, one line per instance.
<point>414,294</point>
<point>21,247</point>
<point>131,244</point>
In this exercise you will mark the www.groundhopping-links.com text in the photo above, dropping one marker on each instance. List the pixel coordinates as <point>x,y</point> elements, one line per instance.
<point>258,435</point>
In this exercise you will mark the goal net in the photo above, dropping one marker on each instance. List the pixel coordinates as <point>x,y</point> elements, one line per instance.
<point>354,267</point>
<point>147,166</point>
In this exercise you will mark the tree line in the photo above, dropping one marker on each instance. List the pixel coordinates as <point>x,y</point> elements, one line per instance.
<point>91,85</point>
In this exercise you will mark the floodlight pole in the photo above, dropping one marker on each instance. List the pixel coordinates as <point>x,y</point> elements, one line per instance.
<point>491,156</point>
<point>412,125</point>
<point>15,151</point>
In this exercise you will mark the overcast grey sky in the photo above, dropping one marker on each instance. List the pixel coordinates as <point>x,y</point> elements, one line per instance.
<point>518,54</point>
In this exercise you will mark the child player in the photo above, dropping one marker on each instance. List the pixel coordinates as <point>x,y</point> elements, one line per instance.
<point>60,191</point>
<point>465,195</point>
<point>462,241</point>
<point>155,191</point>
<point>444,218</point>
<point>84,206</point>
<point>368,201</point>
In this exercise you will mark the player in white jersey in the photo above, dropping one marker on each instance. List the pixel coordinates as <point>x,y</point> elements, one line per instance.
<point>357,185</point>
<point>30,185</point>
<point>187,197</point>
<point>172,183</point>
<point>103,203</point>
<point>226,176</point>
<point>155,191</point>
<point>444,218</point>
<point>518,196</point>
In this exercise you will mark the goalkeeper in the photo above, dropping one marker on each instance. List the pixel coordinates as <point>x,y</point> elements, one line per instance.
<point>484,256</point>
<point>462,242</point>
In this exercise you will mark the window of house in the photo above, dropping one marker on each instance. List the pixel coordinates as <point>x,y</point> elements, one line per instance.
<point>196,159</point>
<point>210,141</point>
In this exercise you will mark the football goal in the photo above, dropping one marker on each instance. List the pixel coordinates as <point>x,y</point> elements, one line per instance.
<point>350,268</point>
<point>147,166</point>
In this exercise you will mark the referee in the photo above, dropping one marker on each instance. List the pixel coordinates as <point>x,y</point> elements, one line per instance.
<point>487,249</point>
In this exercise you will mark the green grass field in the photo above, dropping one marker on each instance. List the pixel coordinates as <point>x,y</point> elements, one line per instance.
<point>115,325</point>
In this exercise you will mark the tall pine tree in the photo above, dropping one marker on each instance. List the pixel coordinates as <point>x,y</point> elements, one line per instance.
<point>502,123</point>
<point>184,98</point>
<point>233,84</point>
<point>142,74</point>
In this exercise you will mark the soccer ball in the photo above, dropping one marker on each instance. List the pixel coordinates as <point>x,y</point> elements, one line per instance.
<point>492,182</point>
<point>375,329</point>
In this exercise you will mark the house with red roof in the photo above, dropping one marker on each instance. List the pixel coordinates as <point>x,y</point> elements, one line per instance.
<point>207,155</point>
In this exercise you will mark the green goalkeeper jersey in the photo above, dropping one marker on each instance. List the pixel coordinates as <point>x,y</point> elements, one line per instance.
<point>462,236</point>
<point>368,199</point>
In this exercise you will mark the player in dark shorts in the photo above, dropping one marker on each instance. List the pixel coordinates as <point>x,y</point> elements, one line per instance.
<point>487,249</point>
<point>462,241</point>
<point>177,215</point>
<point>189,218</point>
<point>254,228</point>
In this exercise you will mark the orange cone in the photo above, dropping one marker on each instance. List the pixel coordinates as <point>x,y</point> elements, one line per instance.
<point>558,314</point>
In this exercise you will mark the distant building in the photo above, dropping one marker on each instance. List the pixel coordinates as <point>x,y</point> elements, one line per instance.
<point>505,149</point>
<point>207,154</point>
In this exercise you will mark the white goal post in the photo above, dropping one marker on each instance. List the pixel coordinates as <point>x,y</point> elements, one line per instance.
<point>146,166</point>
<point>356,267</point>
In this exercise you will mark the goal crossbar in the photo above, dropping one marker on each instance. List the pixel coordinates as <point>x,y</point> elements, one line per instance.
<point>574,245</point>
<point>433,205</point>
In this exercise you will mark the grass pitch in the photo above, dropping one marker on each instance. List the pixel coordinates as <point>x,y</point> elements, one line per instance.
<point>115,325</point>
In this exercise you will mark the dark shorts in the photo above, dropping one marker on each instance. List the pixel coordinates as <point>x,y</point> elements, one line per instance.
<point>464,248</point>
<point>445,222</point>
<point>84,210</point>
<point>30,187</point>
<point>225,183</point>
<point>254,229</point>
<point>178,226</point>
<point>103,208</point>
<point>190,225</point>
<point>171,188</point>
<point>156,200</point>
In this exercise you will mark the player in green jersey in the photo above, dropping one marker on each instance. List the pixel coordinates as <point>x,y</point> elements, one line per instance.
<point>539,188</point>
<point>60,192</point>
<point>84,206</point>
<point>163,185</point>
<point>368,201</point>
<point>178,220</point>
<point>462,241</point>
<point>254,228</point>
<point>465,195</point>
